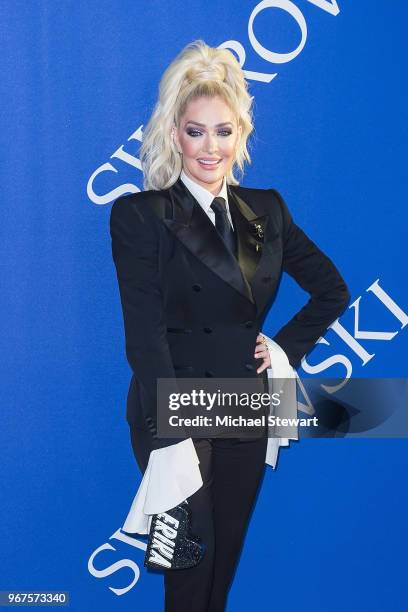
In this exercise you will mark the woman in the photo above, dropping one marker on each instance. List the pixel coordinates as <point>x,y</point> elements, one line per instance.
<point>198,261</point>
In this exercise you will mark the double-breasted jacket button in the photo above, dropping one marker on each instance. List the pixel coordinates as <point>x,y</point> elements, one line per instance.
<point>248,324</point>
<point>208,330</point>
<point>197,287</point>
<point>249,366</point>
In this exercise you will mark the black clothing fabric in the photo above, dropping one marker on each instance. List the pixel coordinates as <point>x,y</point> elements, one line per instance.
<point>192,309</point>
<point>232,471</point>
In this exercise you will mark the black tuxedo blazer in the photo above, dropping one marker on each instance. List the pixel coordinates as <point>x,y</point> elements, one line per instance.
<point>192,309</point>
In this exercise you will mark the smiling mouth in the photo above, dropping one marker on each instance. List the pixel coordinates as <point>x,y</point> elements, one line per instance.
<point>209,163</point>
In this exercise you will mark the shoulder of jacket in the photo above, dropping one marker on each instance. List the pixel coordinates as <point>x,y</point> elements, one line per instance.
<point>269,197</point>
<point>140,198</point>
<point>140,204</point>
<point>257,191</point>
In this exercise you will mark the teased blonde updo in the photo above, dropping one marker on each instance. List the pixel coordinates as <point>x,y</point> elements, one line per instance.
<point>198,70</point>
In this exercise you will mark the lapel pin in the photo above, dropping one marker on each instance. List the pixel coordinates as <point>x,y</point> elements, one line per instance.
<point>257,227</point>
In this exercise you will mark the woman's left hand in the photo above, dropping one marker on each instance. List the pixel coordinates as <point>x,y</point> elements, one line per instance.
<point>261,352</point>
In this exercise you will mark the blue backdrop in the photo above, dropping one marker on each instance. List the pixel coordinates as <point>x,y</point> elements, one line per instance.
<point>79,81</point>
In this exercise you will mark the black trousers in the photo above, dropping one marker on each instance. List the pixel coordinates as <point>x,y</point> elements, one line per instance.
<point>231,470</point>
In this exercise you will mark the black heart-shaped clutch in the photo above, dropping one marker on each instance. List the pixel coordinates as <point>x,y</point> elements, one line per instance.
<point>171,545</point>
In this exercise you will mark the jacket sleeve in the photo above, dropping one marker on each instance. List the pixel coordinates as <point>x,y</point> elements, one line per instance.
<point>135,251</point>
<point>316,274</point>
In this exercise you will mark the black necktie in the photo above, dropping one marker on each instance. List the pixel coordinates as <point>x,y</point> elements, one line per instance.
<point>223,224</point>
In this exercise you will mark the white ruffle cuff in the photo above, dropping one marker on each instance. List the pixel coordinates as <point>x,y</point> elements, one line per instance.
<point>173,474</point>
<point>281,377</point>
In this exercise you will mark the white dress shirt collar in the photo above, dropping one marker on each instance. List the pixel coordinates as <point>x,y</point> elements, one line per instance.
<point>203,196</point>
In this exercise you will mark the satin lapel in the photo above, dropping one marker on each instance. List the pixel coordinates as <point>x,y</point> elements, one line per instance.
<point>259,248</point>
<point>195,230</point>
<point>251,230</point>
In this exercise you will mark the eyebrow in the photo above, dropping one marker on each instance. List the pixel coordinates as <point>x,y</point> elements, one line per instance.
<point>203,124</point>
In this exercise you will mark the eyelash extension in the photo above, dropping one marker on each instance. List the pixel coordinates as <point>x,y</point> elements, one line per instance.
<point>193,132</point>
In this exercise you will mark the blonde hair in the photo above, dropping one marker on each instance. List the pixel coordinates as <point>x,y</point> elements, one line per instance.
<point>198,70</point>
